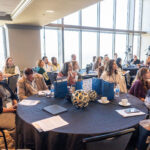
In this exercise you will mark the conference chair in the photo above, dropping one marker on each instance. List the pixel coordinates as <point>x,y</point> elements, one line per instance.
<point>111,141</point>
<point>52,76</point>
<point>12,82</point>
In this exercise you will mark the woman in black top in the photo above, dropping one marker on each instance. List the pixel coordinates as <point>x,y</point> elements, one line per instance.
<point>118,62</point>
<point>8,105</point>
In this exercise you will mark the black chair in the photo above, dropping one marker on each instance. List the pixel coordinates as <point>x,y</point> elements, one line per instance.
<point>144,133</point>
<point>88,68</point>
<point>111,141</point>
<point>4,137</point>
<point>12,82</point>
<point>52,76</point>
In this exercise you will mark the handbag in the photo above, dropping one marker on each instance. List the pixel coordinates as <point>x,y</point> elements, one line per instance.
<point>79,85</point>
<point>60,89</point>
<point>108,90</point>
<point>97,85</point>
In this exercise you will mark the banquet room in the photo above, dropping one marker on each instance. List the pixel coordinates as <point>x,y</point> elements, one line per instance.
<point>74,75</point>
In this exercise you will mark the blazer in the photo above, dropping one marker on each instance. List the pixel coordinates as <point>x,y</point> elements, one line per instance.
<point>13,96</point>
<point>24,87</point>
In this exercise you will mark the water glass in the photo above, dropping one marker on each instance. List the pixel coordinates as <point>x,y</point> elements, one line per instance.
<point>117,91</point>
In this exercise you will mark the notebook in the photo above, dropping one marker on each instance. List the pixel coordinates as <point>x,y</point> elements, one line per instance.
<point>55,109</point>
<point>124,113</point>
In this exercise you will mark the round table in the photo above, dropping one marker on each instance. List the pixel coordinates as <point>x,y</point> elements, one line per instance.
<point>96,119</point>
<point>133,70</point>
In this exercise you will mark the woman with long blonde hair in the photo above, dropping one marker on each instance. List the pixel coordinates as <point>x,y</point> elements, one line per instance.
<point>40,70</point>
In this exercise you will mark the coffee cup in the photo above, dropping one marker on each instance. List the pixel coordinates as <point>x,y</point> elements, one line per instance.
<point>103,99</point>
<point>124,102</point>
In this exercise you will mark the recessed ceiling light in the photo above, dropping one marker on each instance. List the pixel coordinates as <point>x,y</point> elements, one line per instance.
<point>50,11</point>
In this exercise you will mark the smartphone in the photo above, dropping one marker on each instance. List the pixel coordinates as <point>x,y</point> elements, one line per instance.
<point>132,110</point>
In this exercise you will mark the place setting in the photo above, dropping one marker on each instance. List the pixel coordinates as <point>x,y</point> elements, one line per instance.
<point>103,100</point>
<point>124,102</point>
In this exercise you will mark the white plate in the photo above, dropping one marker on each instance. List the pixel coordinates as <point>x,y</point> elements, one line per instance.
<point>106,101</point>
<point>128,104</point>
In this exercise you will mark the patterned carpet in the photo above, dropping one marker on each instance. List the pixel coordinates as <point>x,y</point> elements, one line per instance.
<point>9,139</point>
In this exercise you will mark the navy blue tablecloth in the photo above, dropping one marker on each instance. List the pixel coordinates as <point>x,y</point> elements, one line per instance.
<point>96,119</point>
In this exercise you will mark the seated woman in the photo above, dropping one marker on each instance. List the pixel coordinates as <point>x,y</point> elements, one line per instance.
<point>122,72</point>
<point>76,68</point>
<point>8,105</point>
<point>40,70</point>
<point>110,74</point>
<point>119,65</point>
<point>10,68</point>
<point>98,63</point>
<point>119,62</point>
<point>67,71</point>
<point>55,65</point>
<point>140,85</point>
<point>30,84</point>
<point>100,71</point>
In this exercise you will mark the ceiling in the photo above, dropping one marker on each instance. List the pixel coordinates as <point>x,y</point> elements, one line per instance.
<point>35,13</point>
<point>8,5</point>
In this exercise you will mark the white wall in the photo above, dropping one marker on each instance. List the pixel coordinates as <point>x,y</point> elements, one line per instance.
<point>24,46</point>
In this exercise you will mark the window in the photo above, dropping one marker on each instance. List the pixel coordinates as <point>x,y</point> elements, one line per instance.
<point>2,51</point>
<point>137,14</point>
<point>89,16</point>
<point>121,14</point>
<point>118,20</point>
<point>51,43</point>
<point>106,14</point>
<point>89,47</point>
<point>72,19</point>
<point>71,44</point>
<point>57,21</point>
<point>135,45</point>
<point>106,44</point>
<point>120,46</point>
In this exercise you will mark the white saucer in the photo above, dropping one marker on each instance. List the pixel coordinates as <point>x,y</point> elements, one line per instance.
<point>128,104</point>
<point>106,101</point>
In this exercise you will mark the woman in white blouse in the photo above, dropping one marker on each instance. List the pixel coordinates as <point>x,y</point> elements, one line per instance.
<point>110,74</point>
<point>10,68</point>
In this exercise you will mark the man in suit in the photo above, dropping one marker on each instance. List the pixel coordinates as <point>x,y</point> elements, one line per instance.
<point>30,84</point>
